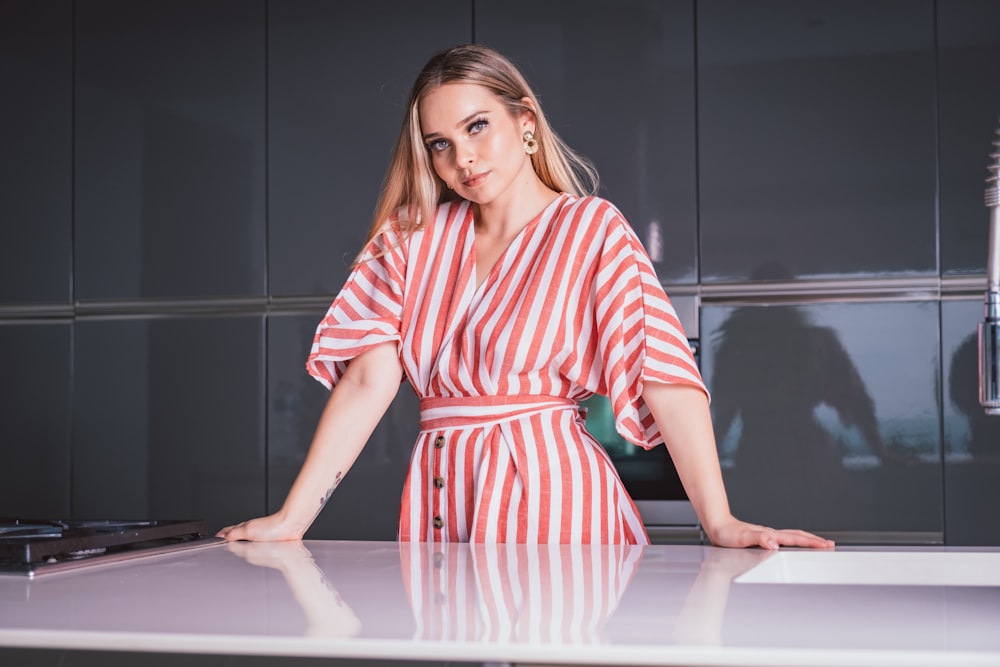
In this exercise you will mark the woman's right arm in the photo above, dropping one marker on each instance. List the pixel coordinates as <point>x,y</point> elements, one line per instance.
<point>354,409</point>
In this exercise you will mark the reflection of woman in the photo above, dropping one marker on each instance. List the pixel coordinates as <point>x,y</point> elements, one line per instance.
<point>507,593</point>
<point>700,619</point>
<point>327,615</point>
<point>984,430</point>
<point>505,295</point>
<point>773,369</point>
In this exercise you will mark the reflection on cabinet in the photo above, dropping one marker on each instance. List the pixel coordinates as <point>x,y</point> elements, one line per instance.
<point>818,426</point>
<point>971,437</point>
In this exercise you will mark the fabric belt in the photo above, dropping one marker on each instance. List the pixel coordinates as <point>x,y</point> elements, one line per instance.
<point>438,413</point>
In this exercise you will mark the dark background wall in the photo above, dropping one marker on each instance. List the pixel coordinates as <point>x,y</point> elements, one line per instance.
<point>183,185</point>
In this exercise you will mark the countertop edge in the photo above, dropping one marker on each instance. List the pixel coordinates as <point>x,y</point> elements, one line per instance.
<point>548,654</point>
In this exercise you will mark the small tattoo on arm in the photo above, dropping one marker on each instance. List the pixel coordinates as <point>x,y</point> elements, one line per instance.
<point>329,492</point>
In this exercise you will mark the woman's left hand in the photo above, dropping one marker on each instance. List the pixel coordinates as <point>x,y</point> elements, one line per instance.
<point>736,533</point>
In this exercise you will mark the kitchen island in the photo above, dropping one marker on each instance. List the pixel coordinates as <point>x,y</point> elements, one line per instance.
<point>662,604</point>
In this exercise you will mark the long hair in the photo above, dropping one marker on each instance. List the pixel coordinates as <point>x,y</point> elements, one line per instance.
<point>412,190</point>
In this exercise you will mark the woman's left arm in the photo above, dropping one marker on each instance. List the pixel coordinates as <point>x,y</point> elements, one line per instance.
<point>683,418</point>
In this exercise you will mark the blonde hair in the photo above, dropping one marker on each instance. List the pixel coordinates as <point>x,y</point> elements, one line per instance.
<point>412,185</point>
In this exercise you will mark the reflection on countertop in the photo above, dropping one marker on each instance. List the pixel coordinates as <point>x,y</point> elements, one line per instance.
<point>669,604</point>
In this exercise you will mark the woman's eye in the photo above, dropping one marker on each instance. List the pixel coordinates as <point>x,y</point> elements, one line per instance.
<point>478,126</point>
<point>437,145</point>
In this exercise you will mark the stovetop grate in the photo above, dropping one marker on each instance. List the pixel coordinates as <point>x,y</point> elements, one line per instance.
<point>29,541</point>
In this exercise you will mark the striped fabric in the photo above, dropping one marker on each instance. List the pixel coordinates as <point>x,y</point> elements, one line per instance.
<point>572,308</point>
<point>501,593</point>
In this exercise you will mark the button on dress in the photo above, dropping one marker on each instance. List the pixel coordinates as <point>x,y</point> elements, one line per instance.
<point>573,307</point>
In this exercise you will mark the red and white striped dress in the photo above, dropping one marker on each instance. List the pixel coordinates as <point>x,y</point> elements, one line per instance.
<point>572,308</point>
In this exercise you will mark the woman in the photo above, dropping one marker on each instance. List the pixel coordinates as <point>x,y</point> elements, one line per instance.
<point>505,294</point>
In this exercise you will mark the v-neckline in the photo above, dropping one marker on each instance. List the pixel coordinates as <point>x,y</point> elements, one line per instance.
<point>479,286</point>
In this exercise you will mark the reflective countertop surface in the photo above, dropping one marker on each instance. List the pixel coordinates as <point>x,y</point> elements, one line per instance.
<point>661,604</point>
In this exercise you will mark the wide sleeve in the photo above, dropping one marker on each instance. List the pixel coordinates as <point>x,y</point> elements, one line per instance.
<point>640,337</point>
<point>367,311</point>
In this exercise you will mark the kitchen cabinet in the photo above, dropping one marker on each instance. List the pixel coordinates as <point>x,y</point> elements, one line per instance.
<point>36,172</point>
<point>827,415</point>
<point>971,437</point>
<point>170,154</point>
<point>969,114</point>
<point>816,139</point>
<point>168,419</point>
<point>35,455</point>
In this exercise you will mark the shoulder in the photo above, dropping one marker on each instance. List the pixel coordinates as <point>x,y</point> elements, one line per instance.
<point>593,215</point>
<point>406,225</point>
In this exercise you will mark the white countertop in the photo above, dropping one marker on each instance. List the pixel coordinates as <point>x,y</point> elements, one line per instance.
<point>559,605</point>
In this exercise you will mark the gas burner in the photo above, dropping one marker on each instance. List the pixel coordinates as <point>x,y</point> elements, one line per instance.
<point>32,546</point>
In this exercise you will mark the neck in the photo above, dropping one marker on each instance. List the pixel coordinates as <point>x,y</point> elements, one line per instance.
<point>507,215</point>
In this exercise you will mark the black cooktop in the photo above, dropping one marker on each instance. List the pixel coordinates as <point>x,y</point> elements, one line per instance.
<point>26,542</point>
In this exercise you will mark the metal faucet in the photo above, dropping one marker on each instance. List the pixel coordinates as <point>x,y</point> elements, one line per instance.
<point>989,328</point>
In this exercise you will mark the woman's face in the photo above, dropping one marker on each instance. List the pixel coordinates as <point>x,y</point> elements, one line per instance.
<point>475,145</point>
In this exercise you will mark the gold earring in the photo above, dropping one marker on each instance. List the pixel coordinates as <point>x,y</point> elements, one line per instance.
<point>530,143</point>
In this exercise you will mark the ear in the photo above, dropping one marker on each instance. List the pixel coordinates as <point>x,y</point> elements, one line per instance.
<point>527,118</point>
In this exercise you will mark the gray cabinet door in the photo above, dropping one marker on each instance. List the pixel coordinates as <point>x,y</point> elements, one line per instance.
<point>816,139</point>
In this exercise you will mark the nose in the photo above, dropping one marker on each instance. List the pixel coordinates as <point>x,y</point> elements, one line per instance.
<point>464,154</point>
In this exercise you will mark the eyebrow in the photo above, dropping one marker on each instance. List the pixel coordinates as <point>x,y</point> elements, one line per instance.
<point>460,123</point>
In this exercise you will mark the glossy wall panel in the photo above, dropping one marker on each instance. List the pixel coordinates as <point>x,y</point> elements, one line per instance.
<point>616,80</point>
<point>816,139</point>
<point>168,419</point>
<point>338,78</point>
<point>971,437</point>
<point>366,504</point>
<point>35,419</point>
<point>170,151</point>
<point>827,414</point>
<point>36,121</point>
<point>969,112</point>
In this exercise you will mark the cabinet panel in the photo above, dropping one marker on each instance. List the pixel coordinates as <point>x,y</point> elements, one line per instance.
<point>969,112</point>
<point>170,150</point>
<point>616,80</point>
<point>338,78</point>
<point>34,419</point>
<point>816,139</point>
<point>971,437</point>
<point>36,121</point>
<point>168,419</point>
<point>366,504</point>
<point>827,415</point>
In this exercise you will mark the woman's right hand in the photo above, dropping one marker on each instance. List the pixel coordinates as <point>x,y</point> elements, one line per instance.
<point>272,528</point>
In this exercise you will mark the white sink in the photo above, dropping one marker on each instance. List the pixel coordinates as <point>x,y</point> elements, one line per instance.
<point>878,568</point>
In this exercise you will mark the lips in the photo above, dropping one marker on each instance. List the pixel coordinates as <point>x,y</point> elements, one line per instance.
<point>475,179</point>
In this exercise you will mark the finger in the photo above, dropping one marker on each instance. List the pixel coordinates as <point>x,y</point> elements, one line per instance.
<point>237,532</point>
<point>800,538</point>
<point>768,540</point>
